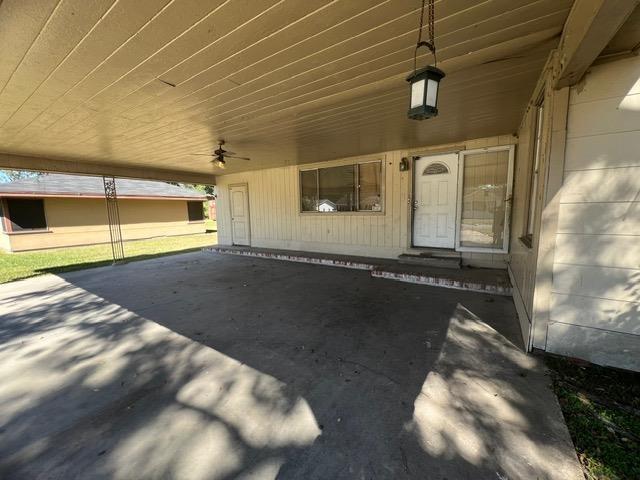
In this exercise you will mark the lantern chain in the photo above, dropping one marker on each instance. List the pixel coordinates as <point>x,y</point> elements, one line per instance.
<point>431,44</point>
<point>431,26</point>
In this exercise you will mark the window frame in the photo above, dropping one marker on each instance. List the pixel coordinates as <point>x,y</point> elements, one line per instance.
<point>8,222</point>
<point>533,171</point>
<point>189,212</point>
<point>356,165</point>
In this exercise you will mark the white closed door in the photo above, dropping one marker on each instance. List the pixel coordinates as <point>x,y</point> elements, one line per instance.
<point>240,229</point>
<point>435,198</point>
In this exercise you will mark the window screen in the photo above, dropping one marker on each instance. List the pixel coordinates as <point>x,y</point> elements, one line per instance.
<point>196,212</point>
<point>26,214</point>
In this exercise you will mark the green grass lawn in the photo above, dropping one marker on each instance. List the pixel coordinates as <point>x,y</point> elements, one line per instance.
<point>602,409</point>
<point>211,225</point>
<point>14,266</point>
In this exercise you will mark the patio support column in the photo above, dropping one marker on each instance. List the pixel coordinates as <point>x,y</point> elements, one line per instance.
<point>113,214</point>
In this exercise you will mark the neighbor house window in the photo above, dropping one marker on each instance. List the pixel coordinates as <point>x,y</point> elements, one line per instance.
<point>196,213</point>
<point>346,188</point>
<point>26,214</point>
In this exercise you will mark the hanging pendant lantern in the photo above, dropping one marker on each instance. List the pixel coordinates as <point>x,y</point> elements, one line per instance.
<point>426,81</point>
<point>424,92</point>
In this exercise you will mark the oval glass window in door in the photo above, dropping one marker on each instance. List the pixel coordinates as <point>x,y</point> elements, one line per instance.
<point>435,168</point>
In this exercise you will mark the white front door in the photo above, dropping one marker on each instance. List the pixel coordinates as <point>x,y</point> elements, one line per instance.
<point>435,196</point>
<point>240,229</point>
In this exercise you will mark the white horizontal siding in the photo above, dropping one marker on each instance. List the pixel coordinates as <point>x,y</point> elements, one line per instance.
<point>621,251</point>
<point>603,151</point>
<point>614,315</point>
<point>595,304</point>
<point>619,218</point>
<point>613,80</point>
<point>598,282</point>
<point>602,185</point>
<point>604,116</point>
<point>603,347</point>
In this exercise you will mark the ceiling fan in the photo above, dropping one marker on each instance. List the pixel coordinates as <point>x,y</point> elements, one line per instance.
<point>220,154</point>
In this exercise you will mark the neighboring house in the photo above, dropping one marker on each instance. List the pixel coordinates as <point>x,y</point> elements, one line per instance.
<point>326,206</point>
<point>55,210</point>
<point>557,205</point>
<point>211,207</point>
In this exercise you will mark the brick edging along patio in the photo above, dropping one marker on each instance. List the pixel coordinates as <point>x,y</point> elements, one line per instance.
<point>380,268</point>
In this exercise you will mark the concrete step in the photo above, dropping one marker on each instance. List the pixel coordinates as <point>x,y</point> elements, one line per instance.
<point>471,279</point>
<point>431,260</point>
<point>482,280</point>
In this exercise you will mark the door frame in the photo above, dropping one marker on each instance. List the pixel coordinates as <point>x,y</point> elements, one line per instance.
<point>230,187</point>
<point>414,159</point>
<point>508,200</point>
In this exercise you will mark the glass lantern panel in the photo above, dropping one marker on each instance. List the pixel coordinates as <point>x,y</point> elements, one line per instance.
<point>417,93</point>
<point>432,93</point>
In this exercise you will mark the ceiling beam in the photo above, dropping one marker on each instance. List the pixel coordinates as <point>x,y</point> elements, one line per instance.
<point>589,28</point>
<point>42,164</point>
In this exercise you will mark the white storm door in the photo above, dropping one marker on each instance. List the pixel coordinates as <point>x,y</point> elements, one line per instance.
<point>435,196</point>
<point>240,230</point>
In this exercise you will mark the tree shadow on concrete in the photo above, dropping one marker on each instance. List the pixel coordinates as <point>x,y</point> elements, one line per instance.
<point>215,367</point>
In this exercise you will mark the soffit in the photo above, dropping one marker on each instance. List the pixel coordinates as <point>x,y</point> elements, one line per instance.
<point>284,82</point>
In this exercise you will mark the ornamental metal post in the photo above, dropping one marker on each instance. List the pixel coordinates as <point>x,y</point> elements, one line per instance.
<point>113,214</point>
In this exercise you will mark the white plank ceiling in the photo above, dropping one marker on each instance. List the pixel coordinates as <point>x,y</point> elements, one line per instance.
<point>283,82</point>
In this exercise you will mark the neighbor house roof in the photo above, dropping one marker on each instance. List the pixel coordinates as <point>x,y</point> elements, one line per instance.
<point>57,185</point>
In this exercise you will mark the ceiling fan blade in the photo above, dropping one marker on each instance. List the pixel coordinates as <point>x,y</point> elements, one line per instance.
<point>238,158</point>
<point>202,154</point>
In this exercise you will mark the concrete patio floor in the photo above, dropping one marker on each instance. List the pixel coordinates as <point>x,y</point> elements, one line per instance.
<point>203,366</point>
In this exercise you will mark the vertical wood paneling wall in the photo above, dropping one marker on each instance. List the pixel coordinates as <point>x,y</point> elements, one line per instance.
<point>276,221</point>
<point>595,297</point>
